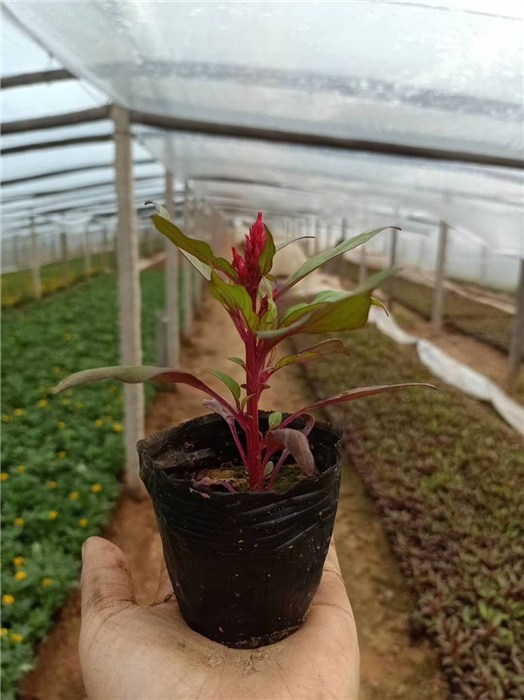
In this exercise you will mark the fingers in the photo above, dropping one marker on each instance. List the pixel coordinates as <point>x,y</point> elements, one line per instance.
<point>106,582</point>
<point>165,588</point>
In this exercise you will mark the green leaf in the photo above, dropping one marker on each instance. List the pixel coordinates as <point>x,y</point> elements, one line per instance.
<point>348,314</point>
<point>340,316</point>
<point>271,315</point>
<point>234,297</point>
<point>275,419</point>
<point>317,260</point>
<point>238,361</point>
<point>198,253</point>
<point>160,208</point>
<point>233,386</point>
<point>326,347</point>
<point>225,266</point>
<point>330,311</point>
<point>135,375</point>
<point>268,253</point>
<point>293,240</point>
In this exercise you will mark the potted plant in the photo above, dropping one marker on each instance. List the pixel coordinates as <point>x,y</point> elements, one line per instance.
<point>246,500</point>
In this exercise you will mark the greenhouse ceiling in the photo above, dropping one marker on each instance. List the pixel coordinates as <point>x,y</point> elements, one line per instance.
<point>321,108</point>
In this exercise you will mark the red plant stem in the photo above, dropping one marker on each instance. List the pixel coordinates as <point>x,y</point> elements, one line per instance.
<point>240,449</point>
<point>252,433</point>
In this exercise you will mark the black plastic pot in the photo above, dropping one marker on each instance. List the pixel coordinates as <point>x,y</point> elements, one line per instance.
<point>244,566</point>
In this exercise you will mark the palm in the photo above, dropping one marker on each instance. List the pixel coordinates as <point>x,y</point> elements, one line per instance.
<point>150,653</point>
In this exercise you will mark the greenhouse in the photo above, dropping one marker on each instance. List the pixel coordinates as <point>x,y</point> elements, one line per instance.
<point>364,160</point>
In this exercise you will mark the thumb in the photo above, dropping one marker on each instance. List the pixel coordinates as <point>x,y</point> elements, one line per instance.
<point>106,582</point>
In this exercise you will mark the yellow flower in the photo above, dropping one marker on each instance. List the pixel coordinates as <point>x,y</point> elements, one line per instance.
<point>4,476</point>
<point>8,599</point>
<point>20,575</point>
<point>17,638</point>
<point>96,488</point>
<point>56,370</point>
<point>46,582</point>
<point>99,422</point>
<point>6,418</point>
<point>61,454</point>
<point>51,484</point>
<point>74,496</point>
<point>18,412</point>
<point>3,632</point>
<point>19,561</point>
<point>19,522</point>
<point>67,336</point>
<point>112,389</point>
<point>53,514</point>
<point>117,428</point>
<point>42,403</point>
<point>83,522</point>
<point>60,425</point>
<point>21,469</point>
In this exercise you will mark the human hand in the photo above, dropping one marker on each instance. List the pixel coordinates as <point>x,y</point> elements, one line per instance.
<point>130,652</point>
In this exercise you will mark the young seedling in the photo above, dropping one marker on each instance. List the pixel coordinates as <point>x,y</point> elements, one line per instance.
<point>249,293</point>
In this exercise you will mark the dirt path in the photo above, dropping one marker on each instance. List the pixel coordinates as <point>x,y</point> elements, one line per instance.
<point>391,666</point>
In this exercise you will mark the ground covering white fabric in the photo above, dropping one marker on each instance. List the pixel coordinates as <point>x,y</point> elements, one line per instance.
<point>452,371</point>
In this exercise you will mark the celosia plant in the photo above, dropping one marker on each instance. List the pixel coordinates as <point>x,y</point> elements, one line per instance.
<point>249,293</point>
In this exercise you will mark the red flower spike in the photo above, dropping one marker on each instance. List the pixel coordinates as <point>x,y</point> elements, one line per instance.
<point>248,267</point>
<point>255,242</point>
<point>240,266</point>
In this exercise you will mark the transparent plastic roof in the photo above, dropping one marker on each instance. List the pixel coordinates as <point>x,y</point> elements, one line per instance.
<point>441,75</point>
<point>421,74</point>
<point>292,179</point>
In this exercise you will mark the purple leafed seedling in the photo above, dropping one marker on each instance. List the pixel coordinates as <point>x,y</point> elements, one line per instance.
<point>249,294</point>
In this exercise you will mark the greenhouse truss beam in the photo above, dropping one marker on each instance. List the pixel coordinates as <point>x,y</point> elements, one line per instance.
<point>70,171</point>
<point>318,140</point>
<point>83,116</point>
<point>51,193</point>
<point>42,145</point>
<point>262,134</point>
<point>44,76</point>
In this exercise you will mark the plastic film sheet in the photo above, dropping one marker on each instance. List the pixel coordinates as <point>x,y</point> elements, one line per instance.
<point>454,372</point>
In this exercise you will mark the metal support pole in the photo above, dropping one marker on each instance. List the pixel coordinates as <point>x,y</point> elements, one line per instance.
<point>64,256</point>
<point>516,348</point>
<point>129,294</point>
<point>105,249</point>
<point>172,350</point>
<point>86,253</point>
<point>392,263</point>
<point>438,291</point>
<point>35,262</point>
<point>16,252</point>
